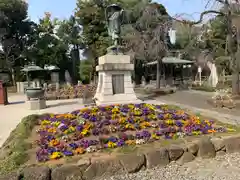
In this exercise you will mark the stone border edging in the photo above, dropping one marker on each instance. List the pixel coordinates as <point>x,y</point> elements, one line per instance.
<point>204,148</point>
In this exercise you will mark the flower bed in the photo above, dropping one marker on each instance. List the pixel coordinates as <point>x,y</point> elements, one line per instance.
<point>91,129</point>
<point>69,92</point>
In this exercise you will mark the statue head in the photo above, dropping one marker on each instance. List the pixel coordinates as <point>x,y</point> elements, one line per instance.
<point>111,9</point>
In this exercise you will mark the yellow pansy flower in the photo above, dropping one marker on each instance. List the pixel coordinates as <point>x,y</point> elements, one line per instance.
<point>55,155</point>
<point>45,122</point>
<point>84,132</point>
<point>114,116</point>
<point>122,120</point>
<point>111,144</point>
<point>94,109</point>
<point>72,129</point>
<point>145,124</point>
<point>129,126</point>
<point>52,130</point>
<point>154,136</point>
<point>56,123</point>
<point>169,122</point>
<point>115,110</point>
<point>196,133</point>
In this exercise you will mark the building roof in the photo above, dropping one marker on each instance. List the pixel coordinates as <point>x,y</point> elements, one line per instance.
<point>172,60</point>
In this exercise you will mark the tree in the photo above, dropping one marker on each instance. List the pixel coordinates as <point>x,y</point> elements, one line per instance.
<point>46,47</point>
<point>229,14</point>
<point>147,35</point>
<point>70,33</point>
<point>14,30</point>
<point>143,33</point>
<point>85,71</point>
<point>91,16</point>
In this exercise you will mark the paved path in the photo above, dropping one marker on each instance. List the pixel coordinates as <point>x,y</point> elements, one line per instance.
<point>12,114</point>
<point>197,101</point>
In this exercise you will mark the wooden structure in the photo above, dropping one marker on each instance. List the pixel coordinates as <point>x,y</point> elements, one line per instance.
<point>174,71</point>
<point>3,94</point>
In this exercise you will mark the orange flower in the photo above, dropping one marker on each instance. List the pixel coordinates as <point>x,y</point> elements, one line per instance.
<point>167,116</point>
<point>87,126</point>
<point>60,115</point>
<point>212,131</point>
<point>79,151</point>
<point>130,142</point>
<point>54,142</point>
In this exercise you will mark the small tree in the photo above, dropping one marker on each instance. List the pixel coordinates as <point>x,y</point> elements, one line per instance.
<point>147,36</point>
<point>228,12</point>
<point>86,68</point>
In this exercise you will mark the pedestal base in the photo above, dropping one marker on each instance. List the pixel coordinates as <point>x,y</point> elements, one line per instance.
<point>37,104</point>
<point>118,99</point>
<point>114,81</point>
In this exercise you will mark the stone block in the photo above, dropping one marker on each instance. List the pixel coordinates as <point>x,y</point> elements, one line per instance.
<point>206,148</point>
<point>232,144</point>
<point>157,158</point>
<point>104,168</point>
<point>37,173</point>
<point>37,104</point>
<point>186,157</point>
<point>133,162</point>
<point>114,59</point>
<point>175,152</point>
<point>218,143</point>
<point>67,172</point>
<point>221,153</point>
<point>192,148</point>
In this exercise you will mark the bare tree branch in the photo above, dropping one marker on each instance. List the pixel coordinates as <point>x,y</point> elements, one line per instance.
<point>201,17</point>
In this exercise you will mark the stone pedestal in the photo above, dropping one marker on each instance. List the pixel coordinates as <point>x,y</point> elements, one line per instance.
<point>114,80</point>
<point>37,104</point>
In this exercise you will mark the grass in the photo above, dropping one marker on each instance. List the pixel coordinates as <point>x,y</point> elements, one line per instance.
<point>127,149</point>
<point>204,88</point>
<point>14,151</point>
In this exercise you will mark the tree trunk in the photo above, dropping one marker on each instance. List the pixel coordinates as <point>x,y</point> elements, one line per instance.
<point>158,79</point>
<point>235,83</point>
<point>234,57</point>
<point>138,71</point>
<point>13,76</point>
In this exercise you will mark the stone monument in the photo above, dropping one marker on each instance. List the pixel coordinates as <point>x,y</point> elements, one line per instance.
<point>115,69</point>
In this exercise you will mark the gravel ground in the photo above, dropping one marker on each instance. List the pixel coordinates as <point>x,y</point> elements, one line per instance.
<point>225,167</point>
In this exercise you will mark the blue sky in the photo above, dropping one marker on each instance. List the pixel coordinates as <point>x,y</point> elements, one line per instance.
<point>64,8</point>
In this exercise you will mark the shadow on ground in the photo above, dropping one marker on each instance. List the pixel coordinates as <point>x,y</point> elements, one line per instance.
<point>63,104</point>
<point>16,102</point>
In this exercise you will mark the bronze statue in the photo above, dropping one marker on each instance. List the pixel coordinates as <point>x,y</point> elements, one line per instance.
<point>114,17</point>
